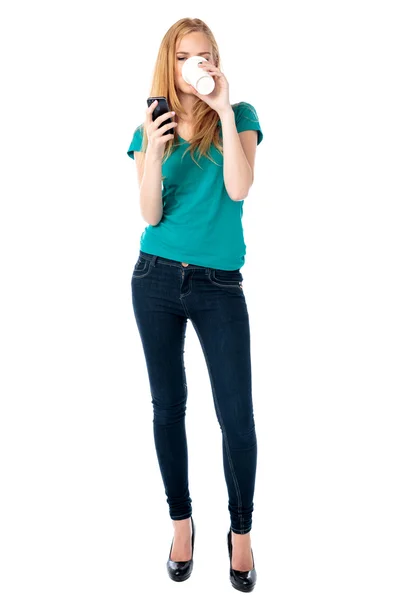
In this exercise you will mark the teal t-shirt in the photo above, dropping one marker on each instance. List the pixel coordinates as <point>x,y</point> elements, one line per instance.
<point>200,225</point>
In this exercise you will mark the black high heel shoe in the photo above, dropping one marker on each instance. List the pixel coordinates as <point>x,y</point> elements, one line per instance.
<point>243,581</point>
<point>182,569</point>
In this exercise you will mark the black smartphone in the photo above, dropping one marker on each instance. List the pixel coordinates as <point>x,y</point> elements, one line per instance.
<point>161,108</point>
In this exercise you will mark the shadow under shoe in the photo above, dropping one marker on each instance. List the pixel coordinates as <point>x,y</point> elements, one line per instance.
<point>243,581</point>
<point>182,569</point>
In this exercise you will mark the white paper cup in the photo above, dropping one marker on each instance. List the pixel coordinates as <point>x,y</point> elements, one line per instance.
<point>196,76</point>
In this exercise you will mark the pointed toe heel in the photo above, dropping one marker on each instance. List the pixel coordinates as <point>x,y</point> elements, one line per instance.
<point>182,569</point>
<point>244,581</point>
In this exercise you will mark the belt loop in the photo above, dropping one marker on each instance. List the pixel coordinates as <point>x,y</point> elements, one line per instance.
<point>153,260</point>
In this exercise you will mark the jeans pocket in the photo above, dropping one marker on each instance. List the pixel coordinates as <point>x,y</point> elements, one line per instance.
<point>231,279</point>
<point>141,268</point>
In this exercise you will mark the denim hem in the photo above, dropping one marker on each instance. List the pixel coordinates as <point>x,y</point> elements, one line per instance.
<point>181,517</point>
<point>241,530</point>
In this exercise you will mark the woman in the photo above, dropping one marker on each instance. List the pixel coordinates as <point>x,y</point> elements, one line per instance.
<point>189,268</point>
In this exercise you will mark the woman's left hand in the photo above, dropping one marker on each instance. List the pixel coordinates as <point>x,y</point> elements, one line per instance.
<point>219,97</point>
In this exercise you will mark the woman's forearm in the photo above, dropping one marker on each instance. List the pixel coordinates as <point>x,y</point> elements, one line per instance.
<point>151,204</point>
<point>237,171</point>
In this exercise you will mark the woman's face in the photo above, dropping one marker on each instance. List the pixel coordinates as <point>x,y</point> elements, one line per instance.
<point>192,44</point>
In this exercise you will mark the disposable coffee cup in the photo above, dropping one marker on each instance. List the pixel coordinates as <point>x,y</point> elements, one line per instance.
<point>196,76</point>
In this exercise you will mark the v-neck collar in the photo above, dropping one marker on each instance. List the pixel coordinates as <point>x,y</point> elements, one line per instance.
<point>186,141</point>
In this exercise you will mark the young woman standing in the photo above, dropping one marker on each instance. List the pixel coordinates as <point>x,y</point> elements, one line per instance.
<point>192,186</point>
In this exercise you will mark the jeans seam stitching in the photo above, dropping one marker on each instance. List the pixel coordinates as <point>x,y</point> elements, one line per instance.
<point>225,285</point>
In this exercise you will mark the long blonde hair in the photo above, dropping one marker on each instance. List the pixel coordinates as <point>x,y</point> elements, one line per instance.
<point>205,119</point>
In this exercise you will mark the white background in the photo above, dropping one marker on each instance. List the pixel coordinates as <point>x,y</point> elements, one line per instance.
<point>83,512</point>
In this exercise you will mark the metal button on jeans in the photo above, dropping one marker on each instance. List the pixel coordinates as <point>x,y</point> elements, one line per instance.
<point>185,264</point>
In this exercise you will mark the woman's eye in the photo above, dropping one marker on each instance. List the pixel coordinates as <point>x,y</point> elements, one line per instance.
<point>183,58</point>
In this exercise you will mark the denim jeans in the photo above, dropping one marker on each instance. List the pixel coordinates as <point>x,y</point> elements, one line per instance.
<point>165,294</point>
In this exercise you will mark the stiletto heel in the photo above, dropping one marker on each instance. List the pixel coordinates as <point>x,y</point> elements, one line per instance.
<point>244,581</point>
<point>182,569</point>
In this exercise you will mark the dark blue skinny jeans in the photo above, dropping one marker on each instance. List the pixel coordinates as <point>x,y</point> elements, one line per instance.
<point>165,294</point>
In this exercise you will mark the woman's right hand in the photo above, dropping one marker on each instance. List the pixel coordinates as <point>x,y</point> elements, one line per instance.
<point>155,135</point>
